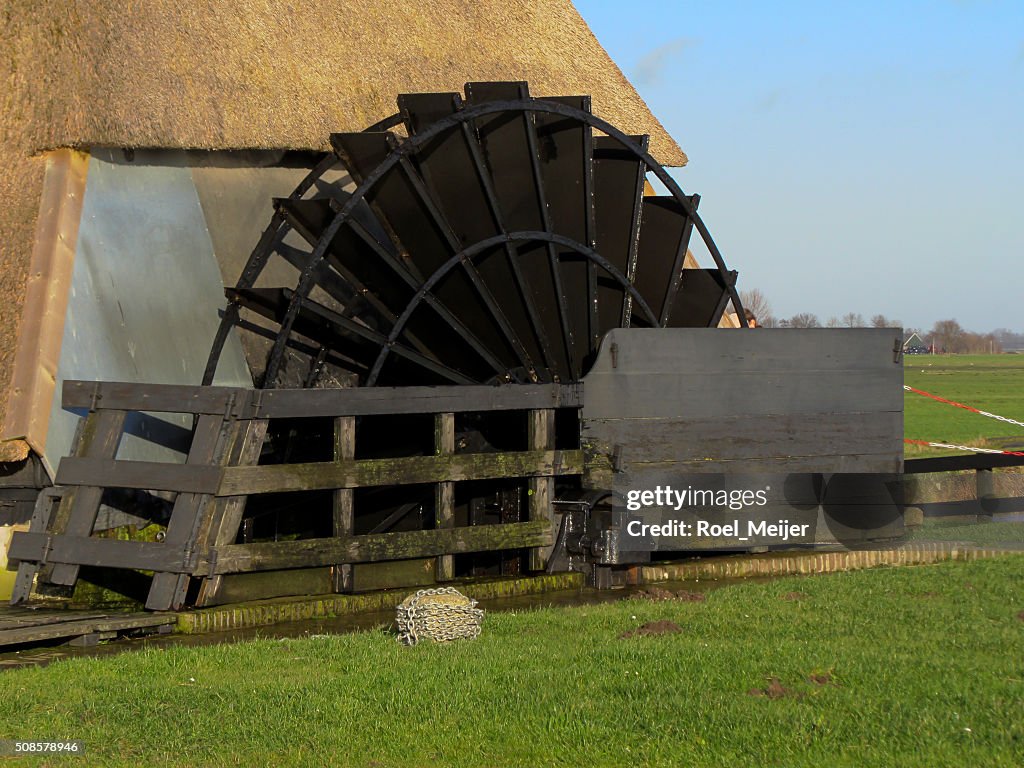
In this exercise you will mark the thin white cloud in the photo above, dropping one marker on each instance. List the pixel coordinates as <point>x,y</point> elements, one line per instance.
<point>652,65</point>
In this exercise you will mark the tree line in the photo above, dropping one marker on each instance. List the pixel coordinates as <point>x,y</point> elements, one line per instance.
<point>945,335</point>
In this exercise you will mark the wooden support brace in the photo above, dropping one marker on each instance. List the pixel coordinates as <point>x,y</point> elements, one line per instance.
<point>444,492</point>
<point>343,512</point>
<point>222,526</point>
<point>76,516</point>
<point>541,436</point>
<point>168,590</point>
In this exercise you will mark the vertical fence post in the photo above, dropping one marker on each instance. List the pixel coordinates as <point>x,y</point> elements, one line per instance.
<point>444,493</point>
<point>985,492</point>
<point>344,450</point>
<point>541,437</point>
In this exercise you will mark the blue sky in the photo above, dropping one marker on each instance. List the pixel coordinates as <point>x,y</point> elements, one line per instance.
<point>850,156</point>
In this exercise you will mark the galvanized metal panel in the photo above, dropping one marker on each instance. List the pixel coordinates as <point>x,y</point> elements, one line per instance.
<point>145,296</point>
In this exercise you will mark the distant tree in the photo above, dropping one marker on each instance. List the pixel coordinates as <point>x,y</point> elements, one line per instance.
<point>768,321</point>
<point>756,302</point>
<point>833,322</point>
<point>804,320</point>
<point>853,320</point>
<point>881,321</point>
<point>947,336</point>
<point>1008,339</point>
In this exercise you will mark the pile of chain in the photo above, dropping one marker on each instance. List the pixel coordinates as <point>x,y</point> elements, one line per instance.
<point>440,615</point>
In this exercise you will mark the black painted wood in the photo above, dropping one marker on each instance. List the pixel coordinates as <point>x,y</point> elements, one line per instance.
<point>420,236</point>
<point>508,151</point>
<point>450,169</point>
<point>958,463</point>
<point>618,199</point>
<point>565,154</point>
<point>142,475</point>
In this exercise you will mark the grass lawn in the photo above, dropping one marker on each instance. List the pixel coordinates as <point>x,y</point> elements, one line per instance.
<point>904,666</point>
<point>993,383</point>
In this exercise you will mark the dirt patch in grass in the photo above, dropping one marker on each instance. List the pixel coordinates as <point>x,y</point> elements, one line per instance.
<point>822,678</point>
<point>660,593</point>
<point>1020,616</point>
<point>794,596</point>
<point>653,629</point>
<point>774,690</point>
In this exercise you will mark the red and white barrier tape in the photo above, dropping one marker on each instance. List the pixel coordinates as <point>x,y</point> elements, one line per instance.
<point>966,408</point>
<point>963,447</point>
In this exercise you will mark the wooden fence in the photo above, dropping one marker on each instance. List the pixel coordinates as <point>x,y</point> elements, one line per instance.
<point>221,471</point>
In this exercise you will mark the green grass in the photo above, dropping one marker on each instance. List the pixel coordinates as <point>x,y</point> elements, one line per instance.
<point>927,667</point>
<point>993,383</point>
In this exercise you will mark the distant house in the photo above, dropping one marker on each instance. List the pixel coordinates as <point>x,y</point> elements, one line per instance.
<point>915,345</point>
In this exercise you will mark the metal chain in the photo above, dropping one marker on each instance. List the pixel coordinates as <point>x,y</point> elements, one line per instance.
<point>440,614</point>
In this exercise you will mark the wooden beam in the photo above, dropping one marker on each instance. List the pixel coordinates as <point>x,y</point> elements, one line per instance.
<point>444,492</point>
<point>99,439</point>
<point>221,527</point>
<point>73,551</point>
<point>410,470</point>
<point>309,553</point>
<point>168,590</point>
<point>143,475</point>
<point>343,511</point>
<point>297,403</point>
<point>541,436</point>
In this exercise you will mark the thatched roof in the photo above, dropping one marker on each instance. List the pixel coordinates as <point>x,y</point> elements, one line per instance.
<point>244,74</point>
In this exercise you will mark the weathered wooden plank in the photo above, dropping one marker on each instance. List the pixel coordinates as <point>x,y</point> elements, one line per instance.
<point>99,439</point>
<point>82,550</point>
<point>221,527</point>
<point>710,373</point>
<point>343,511</point>
<point>444,493</point>
<point>294,403</point>
<point>717,350</point>
<point>310,553</point>
<point>402,471</point>
<point>645,475</point>
<point>40,522</point>
<point>168,589</point>
<point>265,585</point>
<point>647,394</point>
<point>729,438</point>
<point>541,436</point>
<point>143,475</point>
<point>84,627</point>
<point>38,618</point>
